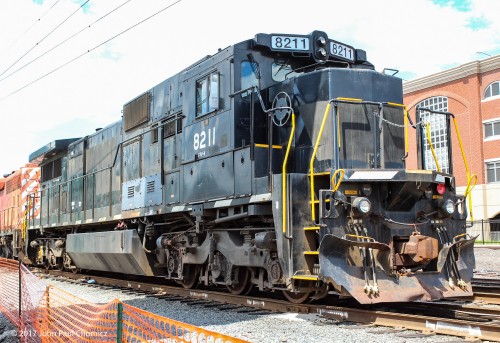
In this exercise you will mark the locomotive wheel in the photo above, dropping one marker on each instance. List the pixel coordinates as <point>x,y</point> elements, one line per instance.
<point>296,298</point>
<point>68,263</point>
<point>243,286</point>
<point>190,276</point>
<point>51,261</point>
<point>46,264</point>
<point>60,264</point>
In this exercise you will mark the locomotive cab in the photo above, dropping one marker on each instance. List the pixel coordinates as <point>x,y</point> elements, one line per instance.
<point>370,228</point>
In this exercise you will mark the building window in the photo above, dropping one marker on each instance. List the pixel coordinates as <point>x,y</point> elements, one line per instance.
<point>439,133</point>
<point>492,129</point>
<point>207,94</point>
<point>493,172</point>
<point>492,90</point>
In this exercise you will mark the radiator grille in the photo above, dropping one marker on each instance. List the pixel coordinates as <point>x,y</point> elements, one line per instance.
<point>136,111</point>
<point>150,186</point>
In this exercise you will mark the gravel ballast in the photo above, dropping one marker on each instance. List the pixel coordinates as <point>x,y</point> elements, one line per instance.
<point>264,328</point>
<point>8,331</point>
<point>271,328</point>
<point>487,260</point>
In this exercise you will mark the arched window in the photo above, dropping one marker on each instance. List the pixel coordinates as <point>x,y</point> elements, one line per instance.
<point>439,133</point>
<point>493,89</point>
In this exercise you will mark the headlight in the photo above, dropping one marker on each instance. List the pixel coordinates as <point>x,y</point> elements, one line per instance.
<point>362,204</point>
<point>448,207</point>
<point>321,40</point>
<point>321,52</point>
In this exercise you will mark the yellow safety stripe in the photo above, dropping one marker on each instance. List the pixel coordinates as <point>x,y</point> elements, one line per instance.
<point>303,277</point>
<point>349,99</point>
<point>266,146</point>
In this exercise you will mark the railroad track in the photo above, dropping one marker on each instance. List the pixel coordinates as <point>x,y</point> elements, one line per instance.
<point>485,290</point>
<point>456,318</point>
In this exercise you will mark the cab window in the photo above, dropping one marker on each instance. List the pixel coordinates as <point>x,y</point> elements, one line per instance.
<point>207,94</point>
<point>249,77</point>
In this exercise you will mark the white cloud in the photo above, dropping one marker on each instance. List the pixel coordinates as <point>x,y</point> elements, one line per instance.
<point>416,37</point>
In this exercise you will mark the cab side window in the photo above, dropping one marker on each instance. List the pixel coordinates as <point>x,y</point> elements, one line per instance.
<point>249,77</point>
<point>207,94</point>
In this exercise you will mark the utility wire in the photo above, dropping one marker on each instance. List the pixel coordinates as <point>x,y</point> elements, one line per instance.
<point>48,34</point>
<point>64,41</point>
<point>90,50</point>
<point>32,25</point>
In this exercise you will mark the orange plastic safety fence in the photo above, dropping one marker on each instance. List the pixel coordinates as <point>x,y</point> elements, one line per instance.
<point>49,314</point>
<point>143,326</point>
<point>9,289</point>
<point>32,293</point>
<point>67,318</point>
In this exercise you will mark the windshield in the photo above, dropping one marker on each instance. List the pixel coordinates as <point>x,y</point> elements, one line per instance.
<point>366,141</point>
<point>282,71</point>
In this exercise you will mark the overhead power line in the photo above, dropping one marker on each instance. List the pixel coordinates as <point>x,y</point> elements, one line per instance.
<point>64,41</point>
<point>90,50</point>
<point>32,25</point>
<point>48,34</point>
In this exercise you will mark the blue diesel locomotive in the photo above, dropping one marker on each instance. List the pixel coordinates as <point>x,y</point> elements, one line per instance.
<point>277,163</point>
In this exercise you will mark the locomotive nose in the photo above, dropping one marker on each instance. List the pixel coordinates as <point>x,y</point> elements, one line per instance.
<point>374,272</point>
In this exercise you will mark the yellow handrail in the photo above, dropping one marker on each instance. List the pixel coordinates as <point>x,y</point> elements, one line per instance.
<point>313,156</point>
<point>428,131</point>
<point>283,181</point>
<point>336,185</point>
<point>406,124</point>
<point>469,188</point>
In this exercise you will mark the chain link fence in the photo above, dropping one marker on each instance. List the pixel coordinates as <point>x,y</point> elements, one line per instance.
<point>487,229</point>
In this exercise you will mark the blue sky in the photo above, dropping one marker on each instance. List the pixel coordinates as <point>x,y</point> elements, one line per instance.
<point>417,37</point>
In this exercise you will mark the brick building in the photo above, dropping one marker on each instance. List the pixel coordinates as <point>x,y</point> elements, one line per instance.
<point>471,93</point>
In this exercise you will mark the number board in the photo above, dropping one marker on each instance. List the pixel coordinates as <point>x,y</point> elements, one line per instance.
<point>290,43</point>
<point>341,50</point>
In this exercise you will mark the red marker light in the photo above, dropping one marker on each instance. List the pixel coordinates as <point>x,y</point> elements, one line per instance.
<point>441,188</point>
